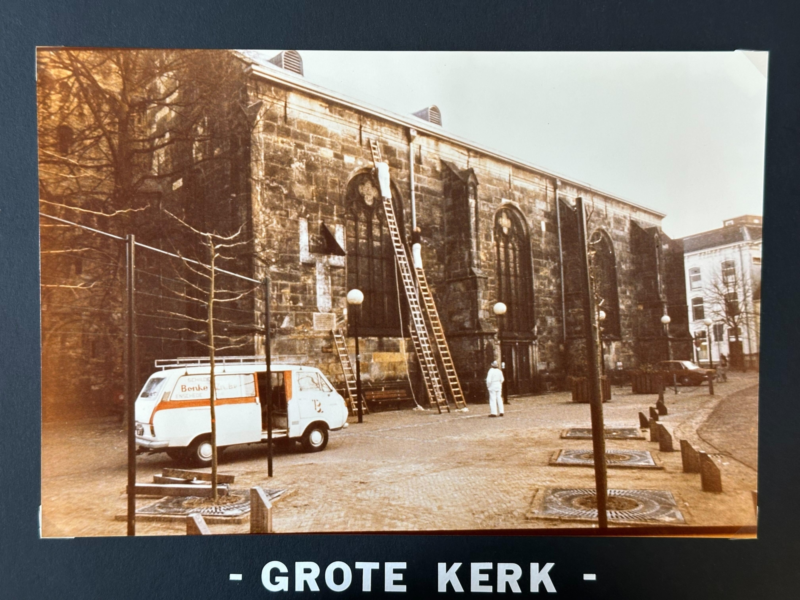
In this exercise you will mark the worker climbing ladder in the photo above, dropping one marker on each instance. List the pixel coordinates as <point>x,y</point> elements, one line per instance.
<point>419,331</point>
<point>347,369</point>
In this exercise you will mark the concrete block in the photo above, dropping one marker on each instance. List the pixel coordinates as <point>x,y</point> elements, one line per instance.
<point>664,439</point>
<point>196,525</point>
<point>690,458</point>
<point>260,512</point>
<point>710,475</point>
<point>653,430</point>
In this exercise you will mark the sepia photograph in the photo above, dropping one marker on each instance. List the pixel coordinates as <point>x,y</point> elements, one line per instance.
<point>323,291</point>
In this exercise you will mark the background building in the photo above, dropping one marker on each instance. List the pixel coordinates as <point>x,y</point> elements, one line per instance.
<point>723,283</point>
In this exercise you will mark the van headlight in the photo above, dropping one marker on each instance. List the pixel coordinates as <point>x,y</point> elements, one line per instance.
<point>139,429</point>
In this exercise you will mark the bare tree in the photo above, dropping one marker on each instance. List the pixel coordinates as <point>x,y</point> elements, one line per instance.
<point>728,298</point>
<point>119,129</point>
<point>201,286</point>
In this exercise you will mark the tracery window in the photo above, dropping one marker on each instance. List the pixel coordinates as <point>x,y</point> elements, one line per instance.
<point>514,274</point>
<point>370,258</point>
<point>604,273</point>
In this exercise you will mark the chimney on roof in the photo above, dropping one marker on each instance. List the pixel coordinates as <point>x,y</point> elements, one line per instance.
<point>744,220</point>
<point>432,114</point>
<point>289,60</point>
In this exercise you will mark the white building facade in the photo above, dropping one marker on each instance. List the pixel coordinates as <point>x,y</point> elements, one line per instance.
<point>723,287</point>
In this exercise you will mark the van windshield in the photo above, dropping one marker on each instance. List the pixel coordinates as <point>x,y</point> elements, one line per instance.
<point>312,381</point>
<point>152,387</point>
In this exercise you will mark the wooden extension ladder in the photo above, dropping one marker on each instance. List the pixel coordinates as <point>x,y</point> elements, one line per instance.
<point>340,342</point>
<point>441,342</point>
<point>419,331</point>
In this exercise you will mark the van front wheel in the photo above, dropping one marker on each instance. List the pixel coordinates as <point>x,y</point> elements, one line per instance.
<point>200,452</point>
<point>315,438</point>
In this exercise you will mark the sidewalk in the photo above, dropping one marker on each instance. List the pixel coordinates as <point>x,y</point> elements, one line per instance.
<point>733,427</point>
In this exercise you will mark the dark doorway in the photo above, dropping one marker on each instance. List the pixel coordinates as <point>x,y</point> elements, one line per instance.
<point>517,372</point>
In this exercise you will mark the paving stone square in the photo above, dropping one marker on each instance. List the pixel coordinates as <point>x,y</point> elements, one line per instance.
<point>420,471</point>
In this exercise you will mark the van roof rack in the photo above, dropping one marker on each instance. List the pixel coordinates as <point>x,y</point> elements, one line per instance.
<point>201,361</point>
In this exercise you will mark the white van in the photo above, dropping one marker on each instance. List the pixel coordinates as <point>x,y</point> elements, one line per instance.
<point>173,412</point>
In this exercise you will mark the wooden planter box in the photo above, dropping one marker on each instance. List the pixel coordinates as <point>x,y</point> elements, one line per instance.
<point>581,391</point>
<point>646,383</point>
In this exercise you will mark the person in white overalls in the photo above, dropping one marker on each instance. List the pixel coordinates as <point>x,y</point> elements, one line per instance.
<point>416,248</point>
<point>494,383</point>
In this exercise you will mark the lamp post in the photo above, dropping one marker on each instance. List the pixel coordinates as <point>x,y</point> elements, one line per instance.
<point>354,299</point>
<point>665,320</point>
<point>499,309</point>
<point>601,316</point>
<point>708,322</point>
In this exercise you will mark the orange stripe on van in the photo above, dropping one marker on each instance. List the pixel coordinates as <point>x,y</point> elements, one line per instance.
<point>175,404</point>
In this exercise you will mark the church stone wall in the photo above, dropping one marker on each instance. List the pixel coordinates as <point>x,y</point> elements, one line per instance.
<point>303,153</point>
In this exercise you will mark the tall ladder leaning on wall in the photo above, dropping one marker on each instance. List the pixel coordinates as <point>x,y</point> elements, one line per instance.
<point>441,342</point>
<point>340,342</point>
<point>419,331</point>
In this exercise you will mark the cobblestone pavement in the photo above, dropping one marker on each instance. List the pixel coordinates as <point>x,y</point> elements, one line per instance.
<point>413,471</point>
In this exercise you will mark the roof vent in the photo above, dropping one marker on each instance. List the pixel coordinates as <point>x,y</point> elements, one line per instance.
<point>432,114</point>
<point>289,60</point>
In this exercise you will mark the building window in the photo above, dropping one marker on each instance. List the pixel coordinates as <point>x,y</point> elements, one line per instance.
<point>734,333</point>
<point>370,258</point>
<point>695,278</point>
<point>728,272</point>
<point>514,274</point>
<point>604,272</point>
<point>732,304</point>
<point>719,332</point>
<point>698,311</point>
<point>472,207</point>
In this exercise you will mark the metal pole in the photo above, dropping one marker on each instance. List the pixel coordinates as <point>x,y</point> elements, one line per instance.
<point>413,196</point>
<point>561,267</point>
<point>356,315</point>
<point>710,349</point>
<point>669,342</point>
<point>268,357</point>
<point>131,379</point>
<point>590,318</point>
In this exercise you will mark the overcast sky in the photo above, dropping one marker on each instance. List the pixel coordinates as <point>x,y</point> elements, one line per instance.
<point>682,133</point>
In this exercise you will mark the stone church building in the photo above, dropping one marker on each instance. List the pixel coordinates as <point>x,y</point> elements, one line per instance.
<point>493,229</point>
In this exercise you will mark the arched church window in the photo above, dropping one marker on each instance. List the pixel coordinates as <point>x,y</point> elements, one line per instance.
<point>472,207</point>
<point>514,274</point>
<point>604,273</point>
<point>370,258</point>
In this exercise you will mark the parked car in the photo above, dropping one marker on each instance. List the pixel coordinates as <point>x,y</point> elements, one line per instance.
<point>685,372</point>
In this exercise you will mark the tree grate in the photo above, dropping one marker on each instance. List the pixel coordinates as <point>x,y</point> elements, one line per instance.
<point>611,433</point>
<point>621,459</point>
<point>189,505</point>
<point>636,505</point>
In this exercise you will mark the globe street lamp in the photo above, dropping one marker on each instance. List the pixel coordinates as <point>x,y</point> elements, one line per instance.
<point>500,309</point>
<point>354,299</point>
<point>708,323</point>
<point>665,320</point>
